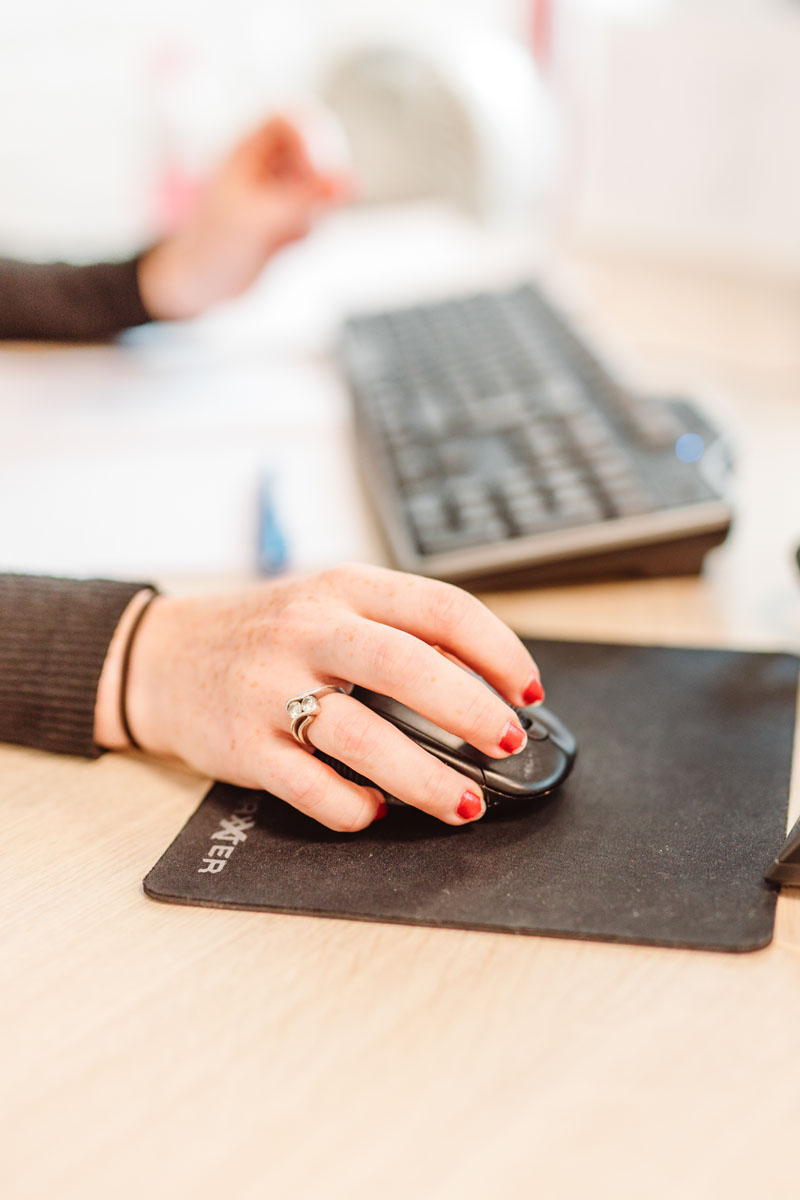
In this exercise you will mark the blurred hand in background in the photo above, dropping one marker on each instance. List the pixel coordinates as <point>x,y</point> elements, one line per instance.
<point>267,193</point>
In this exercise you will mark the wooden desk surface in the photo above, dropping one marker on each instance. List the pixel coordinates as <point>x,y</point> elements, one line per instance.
<point>154,1050</point>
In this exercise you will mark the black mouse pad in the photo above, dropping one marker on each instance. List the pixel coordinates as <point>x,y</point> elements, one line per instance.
<point>661,835</point>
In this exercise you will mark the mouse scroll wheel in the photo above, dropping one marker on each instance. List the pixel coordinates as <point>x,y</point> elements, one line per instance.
<point>536,731</point>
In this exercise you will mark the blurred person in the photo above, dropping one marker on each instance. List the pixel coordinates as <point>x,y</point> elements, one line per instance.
<point>266,194</point>
<point>91,665</point>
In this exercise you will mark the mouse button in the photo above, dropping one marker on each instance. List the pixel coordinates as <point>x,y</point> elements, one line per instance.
<point>423,731</point>
<point>536,770</point>
<point>379,703</point>
<point>459,762</point>
<point>431,736</point>
<point>521,789</point>
<point>447,746</point>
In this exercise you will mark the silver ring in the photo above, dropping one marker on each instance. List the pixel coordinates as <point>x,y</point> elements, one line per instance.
<point>304,708</point>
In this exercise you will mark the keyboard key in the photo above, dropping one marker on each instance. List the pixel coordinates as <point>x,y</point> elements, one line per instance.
<point>445,540</point>
<point>415,462</point>
<point>528,515</point>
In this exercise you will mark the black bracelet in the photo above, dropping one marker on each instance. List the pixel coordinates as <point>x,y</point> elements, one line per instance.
<point>126,662</point>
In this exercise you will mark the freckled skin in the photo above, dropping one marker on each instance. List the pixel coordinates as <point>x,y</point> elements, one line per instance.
<point>210,677</point>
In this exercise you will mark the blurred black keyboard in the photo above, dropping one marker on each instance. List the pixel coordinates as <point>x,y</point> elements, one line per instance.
<point>499,450</point>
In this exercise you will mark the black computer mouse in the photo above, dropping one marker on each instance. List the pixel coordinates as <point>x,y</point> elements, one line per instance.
<point>545,762</point>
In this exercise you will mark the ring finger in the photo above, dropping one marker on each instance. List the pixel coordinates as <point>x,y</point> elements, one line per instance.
<point>348,731</point>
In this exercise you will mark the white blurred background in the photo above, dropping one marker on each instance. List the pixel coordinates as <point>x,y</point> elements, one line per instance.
<point>492,136</point>
<point>679,119</point>
<point>102,105</point>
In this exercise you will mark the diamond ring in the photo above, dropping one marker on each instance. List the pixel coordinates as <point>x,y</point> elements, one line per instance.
<point>303,709</point>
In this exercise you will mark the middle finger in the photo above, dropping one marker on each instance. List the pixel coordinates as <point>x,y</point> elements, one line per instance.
<point>397,664</point>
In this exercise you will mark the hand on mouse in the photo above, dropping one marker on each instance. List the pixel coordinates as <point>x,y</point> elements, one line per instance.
<point>210,676</point>
<point>266,194</point>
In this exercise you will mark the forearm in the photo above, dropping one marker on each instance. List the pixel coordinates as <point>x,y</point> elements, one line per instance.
<point>55,637</point>
<point>64,302</point>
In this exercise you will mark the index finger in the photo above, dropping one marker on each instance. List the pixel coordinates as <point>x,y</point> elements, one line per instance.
<point>448,617</point>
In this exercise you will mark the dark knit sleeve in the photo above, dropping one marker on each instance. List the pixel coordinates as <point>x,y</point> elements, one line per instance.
<point>54,634</point>
<point>64,302</point>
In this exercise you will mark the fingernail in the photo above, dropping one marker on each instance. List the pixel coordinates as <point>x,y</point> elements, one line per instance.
<point>381,811</point>
<point>513,738</point>
<point>534,692</point>
<point>470,806</point>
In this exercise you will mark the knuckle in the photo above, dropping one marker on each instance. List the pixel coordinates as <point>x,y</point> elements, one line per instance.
<point>333,578</point>
<point>397,658</point>
<point>306,785</point>
<point>437,786</point>
<point>290,607</point>
<point>358,817</point>
<point>293,613</point>
<point>326,799</point>
<point>341,577</point>
<point>353,737</point>
<point>453,609</point>
<point>479,712</point>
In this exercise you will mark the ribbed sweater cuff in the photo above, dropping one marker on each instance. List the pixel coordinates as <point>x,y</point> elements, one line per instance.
<point>54,635</point>
<point>68,302</point>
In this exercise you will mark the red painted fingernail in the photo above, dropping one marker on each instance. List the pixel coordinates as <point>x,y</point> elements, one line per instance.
<point>534,692</point>
<point>469,806</point>
<point>513,738</point>
<point>381,811</point>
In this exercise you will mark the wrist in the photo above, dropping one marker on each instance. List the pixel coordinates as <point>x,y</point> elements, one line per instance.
<point>109,730</point>
<point>165,283</point>
<point>149,700</point>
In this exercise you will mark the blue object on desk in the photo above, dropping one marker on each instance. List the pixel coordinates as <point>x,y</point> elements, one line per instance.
<point>273,547</point>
